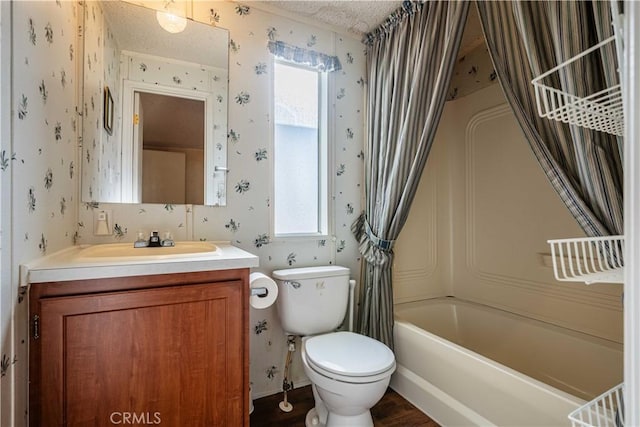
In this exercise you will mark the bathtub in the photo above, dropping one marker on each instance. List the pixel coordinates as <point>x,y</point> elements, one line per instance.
<point>468,364</point>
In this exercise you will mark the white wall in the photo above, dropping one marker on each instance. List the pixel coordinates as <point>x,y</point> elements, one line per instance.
<point>493,222</point>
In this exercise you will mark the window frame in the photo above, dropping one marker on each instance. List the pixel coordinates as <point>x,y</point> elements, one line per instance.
<point>325,159</point>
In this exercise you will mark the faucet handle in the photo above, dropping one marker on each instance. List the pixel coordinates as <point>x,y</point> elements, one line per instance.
<point>167,239</point>
<point>141,241</point>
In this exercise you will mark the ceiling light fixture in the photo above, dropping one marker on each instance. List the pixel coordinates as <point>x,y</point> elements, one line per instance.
<point>170,19</point>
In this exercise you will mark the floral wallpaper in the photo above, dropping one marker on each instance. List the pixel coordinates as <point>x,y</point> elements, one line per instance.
<point>101,176</point>
<point>39,161</point>
<point>472,72</point>
<point>42,160</point>
<point>245,221</point>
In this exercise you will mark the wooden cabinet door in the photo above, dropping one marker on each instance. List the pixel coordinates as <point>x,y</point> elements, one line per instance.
<point>171,356</point>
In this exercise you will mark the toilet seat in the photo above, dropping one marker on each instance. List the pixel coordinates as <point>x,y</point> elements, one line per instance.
<point>349,357</point>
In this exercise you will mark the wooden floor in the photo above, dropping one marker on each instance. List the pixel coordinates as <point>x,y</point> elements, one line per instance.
<point>391,411</point>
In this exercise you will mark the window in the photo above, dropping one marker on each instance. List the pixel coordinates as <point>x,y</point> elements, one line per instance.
<point>300,202</point>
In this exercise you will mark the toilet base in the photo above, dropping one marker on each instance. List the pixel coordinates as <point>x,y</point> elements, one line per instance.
<point>334,420</point>
<point>312,419</point>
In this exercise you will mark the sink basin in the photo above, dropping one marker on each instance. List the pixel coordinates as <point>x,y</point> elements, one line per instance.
<point>122,251</point>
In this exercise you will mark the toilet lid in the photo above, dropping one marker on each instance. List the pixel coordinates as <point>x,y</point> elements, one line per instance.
<point>349,354</point>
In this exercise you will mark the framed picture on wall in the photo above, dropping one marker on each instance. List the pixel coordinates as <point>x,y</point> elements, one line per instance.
<point>107,118</point>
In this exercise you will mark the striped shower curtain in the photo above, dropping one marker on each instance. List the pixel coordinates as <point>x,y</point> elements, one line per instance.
<point>525,39</point>
<point>410,59</point>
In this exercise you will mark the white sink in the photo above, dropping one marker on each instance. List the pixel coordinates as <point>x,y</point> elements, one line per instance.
<point>120,251</point>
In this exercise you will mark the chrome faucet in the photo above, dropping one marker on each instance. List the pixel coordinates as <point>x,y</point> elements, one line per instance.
<point>154,240</point>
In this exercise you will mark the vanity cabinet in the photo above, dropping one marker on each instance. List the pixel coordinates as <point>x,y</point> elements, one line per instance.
<point>168,349</point>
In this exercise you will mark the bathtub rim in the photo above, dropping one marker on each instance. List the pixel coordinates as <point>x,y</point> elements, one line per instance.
<point>531,320</point>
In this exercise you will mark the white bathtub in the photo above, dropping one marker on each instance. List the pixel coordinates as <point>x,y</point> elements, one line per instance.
<point>469,364</point>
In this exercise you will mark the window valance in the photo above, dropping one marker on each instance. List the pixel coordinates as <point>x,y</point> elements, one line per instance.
<point>299,55</point>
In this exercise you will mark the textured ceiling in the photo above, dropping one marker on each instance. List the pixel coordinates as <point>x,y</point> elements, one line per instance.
<point>136,29</point>
<point>352,17</point>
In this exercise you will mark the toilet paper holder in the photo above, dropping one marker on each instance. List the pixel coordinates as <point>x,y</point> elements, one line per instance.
<point>263,290</point>
<point>259,291</point>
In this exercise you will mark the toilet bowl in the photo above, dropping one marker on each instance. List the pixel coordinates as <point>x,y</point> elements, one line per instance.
<point>349,375</point>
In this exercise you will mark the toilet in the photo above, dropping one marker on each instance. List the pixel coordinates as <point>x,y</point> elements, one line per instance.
<point>349,372</point>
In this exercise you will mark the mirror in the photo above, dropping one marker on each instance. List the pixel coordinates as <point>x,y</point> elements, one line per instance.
<point>154,108</point>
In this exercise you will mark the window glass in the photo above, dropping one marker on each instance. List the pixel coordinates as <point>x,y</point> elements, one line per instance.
<point>299,151</point>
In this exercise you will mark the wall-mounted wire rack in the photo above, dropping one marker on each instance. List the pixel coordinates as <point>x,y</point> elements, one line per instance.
<point>589,259</point>
<point>606,410</point>
<point>600,111</point>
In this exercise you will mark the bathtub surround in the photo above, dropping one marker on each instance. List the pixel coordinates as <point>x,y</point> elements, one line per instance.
<point>480,221</point>
<point>416,50</point>
<point>584,166</point>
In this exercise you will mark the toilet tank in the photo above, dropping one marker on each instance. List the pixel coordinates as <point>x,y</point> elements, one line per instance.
<point>312,300</point>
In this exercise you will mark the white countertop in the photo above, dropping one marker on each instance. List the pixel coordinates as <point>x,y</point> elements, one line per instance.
<point>69,264</point>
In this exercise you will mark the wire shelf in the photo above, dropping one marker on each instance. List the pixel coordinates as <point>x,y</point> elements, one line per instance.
<point>589,259</point>
<point>606,410</point>
<point>600,111</point>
